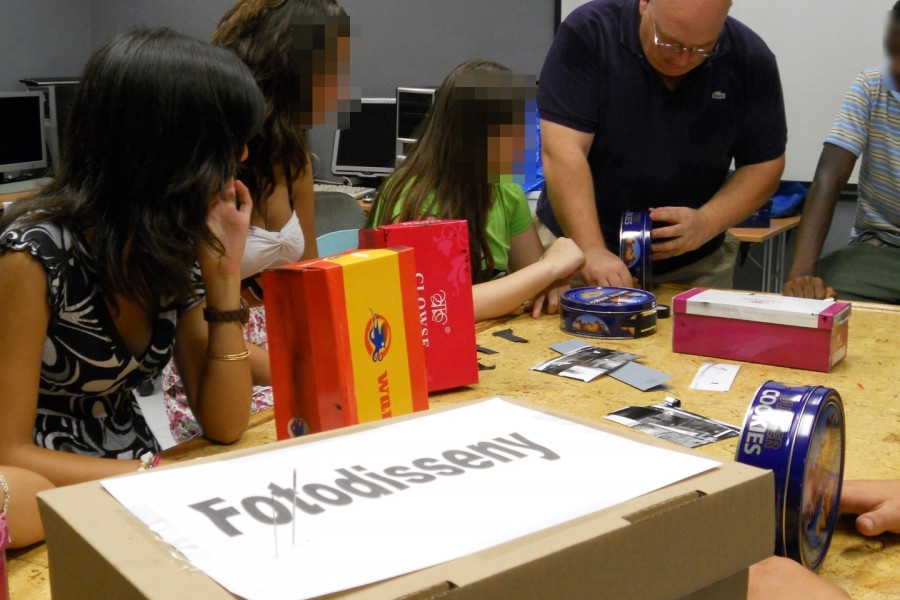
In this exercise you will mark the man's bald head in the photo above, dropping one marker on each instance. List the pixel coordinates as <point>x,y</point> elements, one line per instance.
<point>692,24</point>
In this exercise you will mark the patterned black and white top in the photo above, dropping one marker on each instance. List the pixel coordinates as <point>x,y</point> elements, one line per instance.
<point>86,403</point>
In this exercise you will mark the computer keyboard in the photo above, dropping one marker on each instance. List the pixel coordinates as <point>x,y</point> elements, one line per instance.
<point>356,192</point>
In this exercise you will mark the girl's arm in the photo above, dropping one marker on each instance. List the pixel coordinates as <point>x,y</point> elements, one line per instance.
<point>260,371</point>
<point>24,318</point>
<point>533,272</point>
<point>22,515</point>
<point>218,389</point>
<point>304,199</point>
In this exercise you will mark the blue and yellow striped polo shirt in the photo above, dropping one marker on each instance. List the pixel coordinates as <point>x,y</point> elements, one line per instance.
<point>868,125</point>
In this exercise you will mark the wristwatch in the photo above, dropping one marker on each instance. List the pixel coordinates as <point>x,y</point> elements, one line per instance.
<point>225,316</point>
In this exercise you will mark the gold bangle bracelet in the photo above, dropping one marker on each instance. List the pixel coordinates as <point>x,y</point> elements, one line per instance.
<point>239,356</point>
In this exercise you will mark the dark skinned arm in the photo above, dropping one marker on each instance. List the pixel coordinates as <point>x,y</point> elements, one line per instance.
<point>832,173</point>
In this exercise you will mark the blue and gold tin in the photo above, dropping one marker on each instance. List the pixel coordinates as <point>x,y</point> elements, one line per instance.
<point>634,246</point>
<point>608,312</point>
<point>798,433</point>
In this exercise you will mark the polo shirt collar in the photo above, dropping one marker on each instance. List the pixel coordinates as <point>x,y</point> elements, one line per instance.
<point>630,35</point>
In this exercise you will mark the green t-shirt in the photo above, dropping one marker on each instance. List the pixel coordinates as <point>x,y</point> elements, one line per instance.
<point>509,215</point>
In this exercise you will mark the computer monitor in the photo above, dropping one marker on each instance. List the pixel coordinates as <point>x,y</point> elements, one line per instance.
<point>22,141</point>
<point>367,147</point>
<point>412,106</point>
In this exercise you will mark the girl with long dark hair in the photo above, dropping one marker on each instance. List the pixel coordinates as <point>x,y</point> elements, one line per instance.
<point>298,51</point>
<point>460,168</point>
<point>131,254</point>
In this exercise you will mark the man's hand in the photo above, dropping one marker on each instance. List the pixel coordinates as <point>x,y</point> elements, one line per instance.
<point>604,268</point>
<point>779,578</point>
<point>684,229</point>
<point>807,286</point>
<point>876,502</point>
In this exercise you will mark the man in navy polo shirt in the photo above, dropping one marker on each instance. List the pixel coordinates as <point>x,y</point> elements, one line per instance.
<point>644,104</point>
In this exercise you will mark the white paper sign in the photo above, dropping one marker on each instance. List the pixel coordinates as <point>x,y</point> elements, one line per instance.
<point>715,377</point>
<point>392,500</point>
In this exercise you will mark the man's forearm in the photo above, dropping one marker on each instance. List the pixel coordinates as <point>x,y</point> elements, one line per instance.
<point>749,188</point>
<point>570,188</point>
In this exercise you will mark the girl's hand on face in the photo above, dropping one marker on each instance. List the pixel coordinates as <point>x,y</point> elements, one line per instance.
<point>229,220</point>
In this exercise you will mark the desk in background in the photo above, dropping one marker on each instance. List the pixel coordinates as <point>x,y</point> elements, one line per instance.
<point>774,242</point>
<point>10,192</point>
<point>868,381</point>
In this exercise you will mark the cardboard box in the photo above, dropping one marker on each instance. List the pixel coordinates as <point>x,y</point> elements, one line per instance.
<point>693,539</point>
<point>344,341</point>
<point>762,328</point>
<point>444,287</point>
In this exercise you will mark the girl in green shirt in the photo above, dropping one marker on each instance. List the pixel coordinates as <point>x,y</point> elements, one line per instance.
<point>462,168</point>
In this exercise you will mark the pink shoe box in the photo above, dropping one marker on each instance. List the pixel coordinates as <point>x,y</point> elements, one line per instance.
<point>797,333</point>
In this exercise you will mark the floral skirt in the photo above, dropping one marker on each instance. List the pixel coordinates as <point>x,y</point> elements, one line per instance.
<point>182,422</point>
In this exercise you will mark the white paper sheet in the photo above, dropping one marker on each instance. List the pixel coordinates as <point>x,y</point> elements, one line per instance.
<point>715,377</point>
<point>542,471</point>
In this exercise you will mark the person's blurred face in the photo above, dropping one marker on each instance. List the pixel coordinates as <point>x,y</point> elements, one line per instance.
<point>505,152</point>
<point>331,82</point>
<point>677,35</point>
<point>892,49</point>
<point>321,65</point>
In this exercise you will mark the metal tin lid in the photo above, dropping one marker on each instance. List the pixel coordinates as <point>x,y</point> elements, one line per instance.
<point>608,299</point>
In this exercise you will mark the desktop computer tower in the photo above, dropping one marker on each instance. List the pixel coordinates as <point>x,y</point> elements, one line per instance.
<point>58,95</point>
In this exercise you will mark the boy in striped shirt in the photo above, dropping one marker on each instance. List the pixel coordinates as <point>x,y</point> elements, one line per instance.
<point>867,126</point>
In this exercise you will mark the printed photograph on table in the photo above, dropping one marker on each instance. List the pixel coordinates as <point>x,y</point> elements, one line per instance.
<point>585,364</point>
<point>674,424</point>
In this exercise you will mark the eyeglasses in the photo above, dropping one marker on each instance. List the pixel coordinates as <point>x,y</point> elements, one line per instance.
<point>678,48</point>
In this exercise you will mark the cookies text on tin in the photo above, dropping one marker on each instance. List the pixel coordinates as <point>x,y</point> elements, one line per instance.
<point>757,429</point>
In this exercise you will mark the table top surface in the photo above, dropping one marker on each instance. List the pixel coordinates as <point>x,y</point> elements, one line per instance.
<point>868,380</point>
<point>756,235</point>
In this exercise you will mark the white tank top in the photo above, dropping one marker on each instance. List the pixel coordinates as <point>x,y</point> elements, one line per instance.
<point>266,249</point>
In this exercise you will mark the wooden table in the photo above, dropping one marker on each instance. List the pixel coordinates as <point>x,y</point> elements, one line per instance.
<point>774,241</point>
<point>868,380</point>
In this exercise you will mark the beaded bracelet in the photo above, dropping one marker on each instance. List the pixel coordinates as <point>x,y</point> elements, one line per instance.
<point>238,356</point>
<point>5,487</point>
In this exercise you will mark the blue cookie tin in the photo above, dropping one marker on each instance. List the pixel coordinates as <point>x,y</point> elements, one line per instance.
<point>634,246</point>
<point>798,433</point>
<point>608,312</point>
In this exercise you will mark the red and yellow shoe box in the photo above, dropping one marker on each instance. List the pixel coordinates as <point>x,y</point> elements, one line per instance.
<point>345,345</point>
<point>446,314</point>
